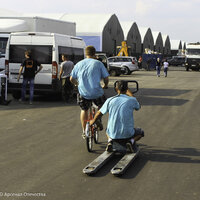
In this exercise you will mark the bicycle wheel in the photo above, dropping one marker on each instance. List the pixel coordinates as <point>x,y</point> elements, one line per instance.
<point>96,135</point>
<point>89,142</point>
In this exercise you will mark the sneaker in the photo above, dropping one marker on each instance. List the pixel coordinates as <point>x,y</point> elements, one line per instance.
<point>30,102</point>
<point>109,147</point>
<point>99,124</point>
<point>21,100</point>
<point>133,148</point>
<point>83,135</point>
<point>129,147</point>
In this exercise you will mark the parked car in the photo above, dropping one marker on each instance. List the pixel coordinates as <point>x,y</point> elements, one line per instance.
<point>177,60</point>
<point>112,70</point>
<point>125,63</point>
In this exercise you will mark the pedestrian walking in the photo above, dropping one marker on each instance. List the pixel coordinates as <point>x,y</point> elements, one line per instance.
<point>165,65</point>
<point>158,66</point>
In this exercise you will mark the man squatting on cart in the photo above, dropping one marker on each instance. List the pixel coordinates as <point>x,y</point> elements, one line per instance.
<point>121,121</point>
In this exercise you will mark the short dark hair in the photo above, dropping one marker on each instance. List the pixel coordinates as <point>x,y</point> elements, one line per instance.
<point>28,53</point>
<point>65,56</point>
<point>122,86</point>
<point>90,51</point>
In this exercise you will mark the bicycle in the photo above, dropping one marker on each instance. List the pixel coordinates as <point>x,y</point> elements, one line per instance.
<point>91,132</point>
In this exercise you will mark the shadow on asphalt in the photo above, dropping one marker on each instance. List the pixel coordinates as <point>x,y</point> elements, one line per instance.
<point>154,97</point>
<point>156,101</point>
<point>164,97</point>
<point>146,96</point>
<point>153,154</point>
<point>162,92</point>
<point>39,101</point>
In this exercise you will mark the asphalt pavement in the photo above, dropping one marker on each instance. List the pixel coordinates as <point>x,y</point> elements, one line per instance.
<point>42,153</point>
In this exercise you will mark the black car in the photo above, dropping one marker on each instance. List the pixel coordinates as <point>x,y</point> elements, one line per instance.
<point>177,61</point>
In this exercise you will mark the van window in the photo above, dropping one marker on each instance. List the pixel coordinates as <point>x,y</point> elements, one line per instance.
<point>3,42</point>
<point>43,54</point>
<point>75,54</point>
<point>126,59</point>
<point>78,55</point>
<point>65,50</point>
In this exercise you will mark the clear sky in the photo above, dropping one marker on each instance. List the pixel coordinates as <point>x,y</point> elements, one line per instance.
<point>180,19</point>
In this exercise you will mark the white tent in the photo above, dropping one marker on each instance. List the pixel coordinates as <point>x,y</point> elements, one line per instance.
<point>100,30</point>
<point>176,44</point>
<point>126,26</point>
<point>176,47</point>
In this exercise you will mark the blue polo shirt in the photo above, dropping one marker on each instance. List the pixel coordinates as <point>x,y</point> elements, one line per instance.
<point>89,73</point>
<point>120,121</point>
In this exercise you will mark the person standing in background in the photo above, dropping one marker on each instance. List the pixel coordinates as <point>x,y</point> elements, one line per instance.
<point>30,67</point>
<point>140,62</point>
<point>64,76</point>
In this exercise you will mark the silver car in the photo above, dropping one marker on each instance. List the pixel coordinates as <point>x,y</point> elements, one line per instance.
<point>128,64</point>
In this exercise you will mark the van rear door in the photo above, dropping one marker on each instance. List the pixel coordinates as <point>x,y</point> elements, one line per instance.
<point>41,53</point>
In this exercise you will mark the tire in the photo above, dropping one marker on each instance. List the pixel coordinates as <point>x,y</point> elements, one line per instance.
<point>113,72</point>
<point>16,94</point>
<point>89,142</point>
<point>96,135</point>
<point>127,71</point>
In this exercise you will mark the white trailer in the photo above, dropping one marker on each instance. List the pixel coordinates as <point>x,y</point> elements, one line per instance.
<point>36,24</point>
<point>30,24</point>
<point>192,56</point>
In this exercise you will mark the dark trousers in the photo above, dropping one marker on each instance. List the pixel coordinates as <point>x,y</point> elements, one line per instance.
<point>23,92</point>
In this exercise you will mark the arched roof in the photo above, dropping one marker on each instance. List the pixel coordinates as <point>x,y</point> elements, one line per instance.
<point>88,24</point>
<point>155,35</point>
<point>164,37</point>
<point>183,45</point>
<point>126,26</point>
<point>176,44</point>
<point>143,31</point>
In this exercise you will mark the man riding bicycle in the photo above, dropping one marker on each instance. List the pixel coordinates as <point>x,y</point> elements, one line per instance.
<point>87,74</point>
<point>121,122</point>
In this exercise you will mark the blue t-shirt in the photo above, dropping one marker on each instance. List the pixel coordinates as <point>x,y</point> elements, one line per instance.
<point>120,121</point>
<point>89,73</point>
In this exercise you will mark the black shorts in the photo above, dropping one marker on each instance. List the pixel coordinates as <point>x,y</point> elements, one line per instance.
<point>138,131</point>
<point>86,103</point>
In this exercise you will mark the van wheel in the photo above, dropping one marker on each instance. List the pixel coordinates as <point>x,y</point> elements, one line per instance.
<point>127,71</point>
<point>113,72</point>
<point>16,94</point>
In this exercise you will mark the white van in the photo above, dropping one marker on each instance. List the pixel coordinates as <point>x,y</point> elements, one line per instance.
<point>47,49</point>
<point>3,42</point>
